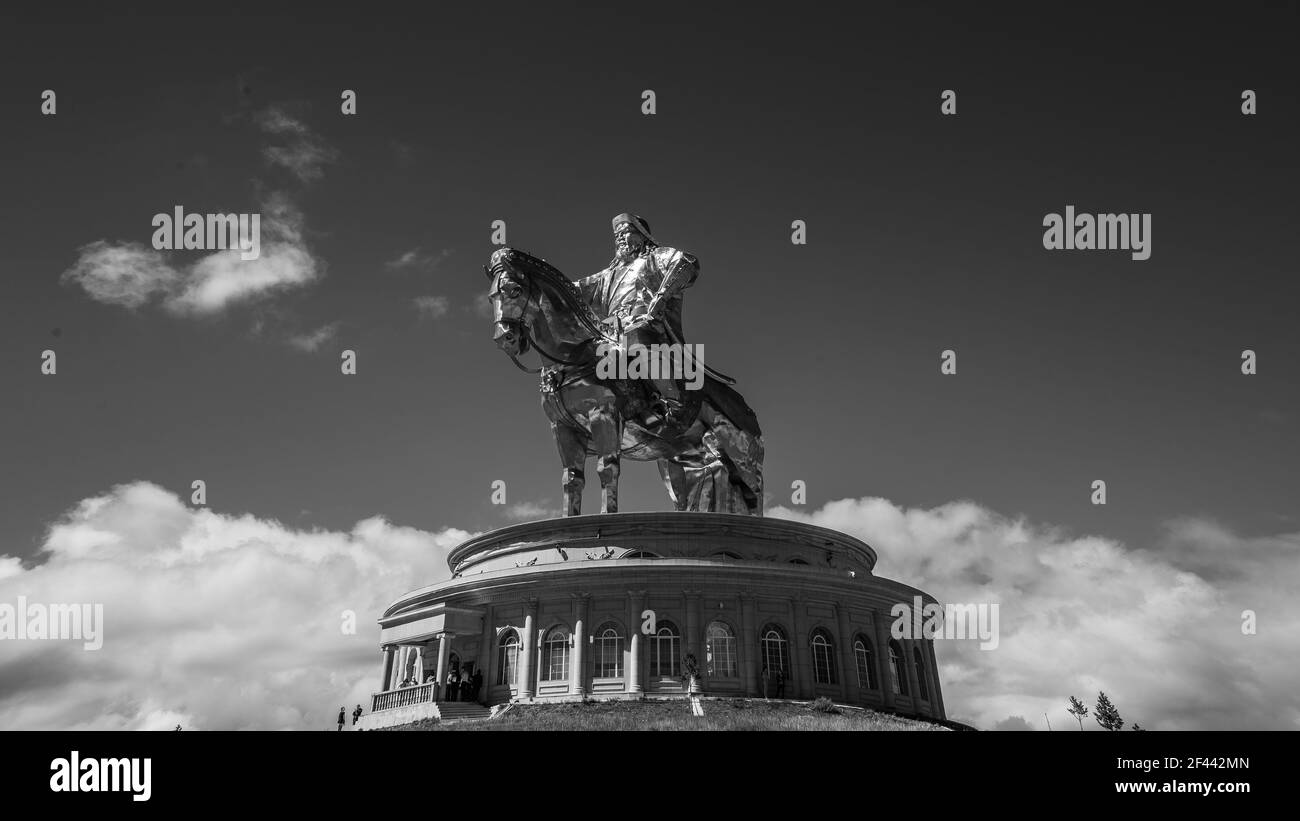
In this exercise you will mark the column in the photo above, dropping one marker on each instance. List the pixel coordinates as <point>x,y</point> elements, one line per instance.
<point>748,640</point>
<point>487,656</point>
<point>936,696</point>
<point>799,650</point>
<point>845,659</point>
<point>527,650</point>
<point>578,671</point>
<point>386,680</point>
<point>444,652</point>
<point>635,604</point>
<point>882,658</point>
<point>912,685</point>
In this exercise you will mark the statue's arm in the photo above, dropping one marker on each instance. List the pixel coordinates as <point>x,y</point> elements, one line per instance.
<point>680,270</point>
<point>589,287</point>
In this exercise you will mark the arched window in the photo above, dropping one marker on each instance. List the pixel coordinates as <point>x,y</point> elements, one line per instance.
<point>823,650</point>
<point>922,690</point>
<point>866,663</point>
<point>720,651</point>
<point>897,675</point>
<point>665,647</point>
<point>555,654</point>
<point>640,554</point>
<point>797,560</point>
<point>772,647</point>
<point>609,652</point>
<point>727,555</point>
<point>508,657</point>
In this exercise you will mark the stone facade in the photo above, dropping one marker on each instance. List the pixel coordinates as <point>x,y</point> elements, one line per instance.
<point>610,606</point>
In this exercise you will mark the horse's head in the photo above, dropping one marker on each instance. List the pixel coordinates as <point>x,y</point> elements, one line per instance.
<point>511,298</point>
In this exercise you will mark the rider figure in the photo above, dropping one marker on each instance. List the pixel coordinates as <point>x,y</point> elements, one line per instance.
<point>638,297</point>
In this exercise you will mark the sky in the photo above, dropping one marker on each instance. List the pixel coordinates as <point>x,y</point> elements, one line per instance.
<point>329,492</point>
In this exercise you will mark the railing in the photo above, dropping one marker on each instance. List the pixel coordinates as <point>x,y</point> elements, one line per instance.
<point>405,697</point>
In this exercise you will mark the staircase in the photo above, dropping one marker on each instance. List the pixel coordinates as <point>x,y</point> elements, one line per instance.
<point>450,711</point>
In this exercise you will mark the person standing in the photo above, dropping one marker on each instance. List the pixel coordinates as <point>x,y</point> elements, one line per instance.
<point>356,715</point>
<point>476,683</point>
<point>767,680</point>
<point>343,716</point>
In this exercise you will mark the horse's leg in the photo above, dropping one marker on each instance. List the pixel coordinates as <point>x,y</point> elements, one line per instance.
<point>572,444</point>
<point>607,439</point>
<point>674,478</point>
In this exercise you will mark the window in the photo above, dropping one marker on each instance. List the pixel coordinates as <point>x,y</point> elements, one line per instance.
<point>609,652</point>
<point>866,663</point>
<point>922,690</point>
<point>772,645</point>
<point>897,675</point>
<point>640,554</point>
<point>720,651</point>
<point>797,560</point>
<point>555,654</point>
<point>728,555</point>
<point>823,657</point>
<point>508,657</point>
<point>665,646</point>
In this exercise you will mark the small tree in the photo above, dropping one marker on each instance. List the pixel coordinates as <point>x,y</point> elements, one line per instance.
<point>1138,727</point>
<point>1079,710</point>
<point>1106,714</point>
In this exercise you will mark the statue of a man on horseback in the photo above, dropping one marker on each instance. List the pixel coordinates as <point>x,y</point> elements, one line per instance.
<point>638,298</point>
<point>698,429</point>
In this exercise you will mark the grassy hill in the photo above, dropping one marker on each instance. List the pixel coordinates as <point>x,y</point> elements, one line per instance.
<point>719,714</point>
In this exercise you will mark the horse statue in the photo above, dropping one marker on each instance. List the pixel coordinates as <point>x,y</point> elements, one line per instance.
<point>712,461</point>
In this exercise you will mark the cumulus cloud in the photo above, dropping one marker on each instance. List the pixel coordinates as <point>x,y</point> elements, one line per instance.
<point>433,307</point>
<point>211,620</point>
<point>131,274</point>
<point>313,340</point>
<point>221,620</point>
<point>303,152</point>
<point>1159,629</point>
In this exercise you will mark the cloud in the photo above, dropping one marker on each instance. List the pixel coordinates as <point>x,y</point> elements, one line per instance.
<point>131,275</point>
<point>432,306</point>
<point>211,620</point>
<point>304,152</point>
<point>310,342</point>
<point>1013,723</point>
<point>1159,629</point>
<point>200,605</point>
<point>416,260</point>
<point>127,274</point>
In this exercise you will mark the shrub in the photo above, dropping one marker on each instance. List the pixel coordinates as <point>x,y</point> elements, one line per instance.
<point>825,705</point>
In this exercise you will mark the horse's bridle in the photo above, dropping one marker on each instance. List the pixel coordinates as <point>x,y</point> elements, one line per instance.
<point>522,327</point>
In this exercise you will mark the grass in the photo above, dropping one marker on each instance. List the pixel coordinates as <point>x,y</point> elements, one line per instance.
<point>725,714</point>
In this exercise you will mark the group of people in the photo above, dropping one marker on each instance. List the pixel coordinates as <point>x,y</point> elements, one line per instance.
<point>460,686</point>
<point>356,714</point>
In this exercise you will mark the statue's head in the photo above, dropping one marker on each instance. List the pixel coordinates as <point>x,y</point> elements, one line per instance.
<point>631,237</point>
<point>509,298</point>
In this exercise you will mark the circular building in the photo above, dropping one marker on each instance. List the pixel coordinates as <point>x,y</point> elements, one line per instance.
<point>619,605</point>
